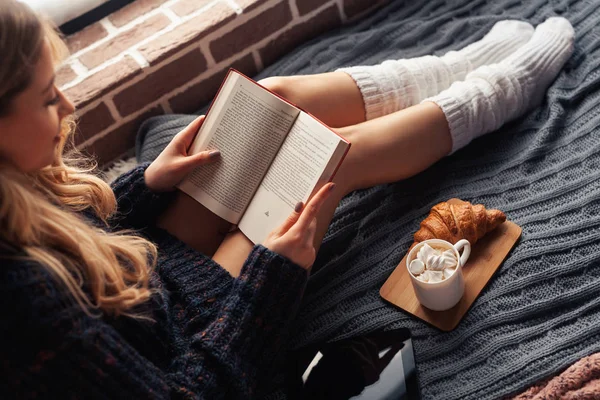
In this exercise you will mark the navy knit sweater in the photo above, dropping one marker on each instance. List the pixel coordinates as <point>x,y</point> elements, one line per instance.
<point>212,336</point>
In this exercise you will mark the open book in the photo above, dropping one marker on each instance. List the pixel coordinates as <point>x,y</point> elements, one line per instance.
<point>273,155</point>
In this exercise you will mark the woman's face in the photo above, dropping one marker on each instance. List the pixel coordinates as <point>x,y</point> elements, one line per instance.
<point>30,130</point>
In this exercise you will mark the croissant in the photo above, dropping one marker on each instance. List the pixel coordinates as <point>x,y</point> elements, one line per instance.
<point>454,222</point>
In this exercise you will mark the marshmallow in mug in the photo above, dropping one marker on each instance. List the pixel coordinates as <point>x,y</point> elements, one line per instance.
<point>432,265</point>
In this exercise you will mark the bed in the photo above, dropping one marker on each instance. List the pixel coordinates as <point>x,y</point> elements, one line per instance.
<point>541,311</point>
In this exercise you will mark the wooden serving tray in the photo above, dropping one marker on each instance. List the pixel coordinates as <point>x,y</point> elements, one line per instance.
<point>486,256</point>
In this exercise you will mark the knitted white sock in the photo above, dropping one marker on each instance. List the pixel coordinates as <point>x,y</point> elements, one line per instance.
<point>398,84</point>
<point>495,94</point>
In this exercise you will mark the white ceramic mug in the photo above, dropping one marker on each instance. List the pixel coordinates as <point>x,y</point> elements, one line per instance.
<point>443,295</point>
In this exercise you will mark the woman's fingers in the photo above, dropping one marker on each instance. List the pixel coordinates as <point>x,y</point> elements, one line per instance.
<point>204,157</point>
<point>295,238</point>
<point>290,220</point>
<point>313,206</point>
<point>187,135</point>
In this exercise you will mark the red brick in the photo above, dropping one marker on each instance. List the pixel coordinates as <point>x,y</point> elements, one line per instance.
<point>65,74</point>
<point>160,82</point>
<point>187,34</point>
<point>306,6</point>
<point>132,11</point>
<point>249,5</point>
<point>356,8</point>
<point>251,32</point>
<point>291,38</point>
<point>85,37</point>
<point>124,41</point>
<point>103,81</point>
<point>119,140</point>
<point>186,7</point>
<point>93,122</point>
<point>198,95</point>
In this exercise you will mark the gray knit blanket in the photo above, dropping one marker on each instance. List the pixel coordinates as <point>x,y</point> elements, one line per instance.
<point>541,311</point>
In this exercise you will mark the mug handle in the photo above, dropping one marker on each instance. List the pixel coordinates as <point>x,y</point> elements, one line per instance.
<point>463,243</point>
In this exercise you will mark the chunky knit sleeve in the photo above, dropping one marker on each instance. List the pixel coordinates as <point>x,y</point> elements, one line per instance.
<point>49,346</point>
<point>254,320</point>
<point>243,327</point>
<point>137,206</point>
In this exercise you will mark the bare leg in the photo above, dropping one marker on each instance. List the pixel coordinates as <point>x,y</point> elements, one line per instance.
<point>384,150</point>
<point>194,224</point>
<point>332,97</point>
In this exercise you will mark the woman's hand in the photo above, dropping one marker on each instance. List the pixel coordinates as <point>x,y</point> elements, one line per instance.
<point>295,238</point>
<point>174,163</point>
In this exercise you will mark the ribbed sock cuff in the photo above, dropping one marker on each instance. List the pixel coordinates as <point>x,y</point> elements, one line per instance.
<point>367,81</point>
<point>456,118</point>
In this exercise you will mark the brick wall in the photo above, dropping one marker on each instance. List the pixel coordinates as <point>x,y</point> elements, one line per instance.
<point>169,56</point>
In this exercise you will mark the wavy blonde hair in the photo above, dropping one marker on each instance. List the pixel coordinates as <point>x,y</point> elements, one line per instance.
<point>40,211</point>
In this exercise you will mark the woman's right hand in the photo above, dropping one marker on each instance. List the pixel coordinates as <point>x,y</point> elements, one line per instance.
<point>175,161</point>
<point>294,239</point>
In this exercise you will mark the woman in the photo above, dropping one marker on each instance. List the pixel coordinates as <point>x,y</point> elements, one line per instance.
<point>92,309</point>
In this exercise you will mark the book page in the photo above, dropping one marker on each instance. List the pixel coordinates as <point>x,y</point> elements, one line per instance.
<point>305,155</point>
<point>248,128</point>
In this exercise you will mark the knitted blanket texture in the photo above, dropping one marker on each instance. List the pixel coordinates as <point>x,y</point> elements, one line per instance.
<point>541,312</point>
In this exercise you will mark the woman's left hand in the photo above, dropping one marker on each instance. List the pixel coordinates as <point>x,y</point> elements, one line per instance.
<point>174,163</point>
<point>295,238</point>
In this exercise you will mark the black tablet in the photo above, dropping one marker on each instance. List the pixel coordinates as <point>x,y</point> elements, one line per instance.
<point>380,365</point>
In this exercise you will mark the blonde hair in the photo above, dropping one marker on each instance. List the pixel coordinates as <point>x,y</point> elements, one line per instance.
<point>40,211</point>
